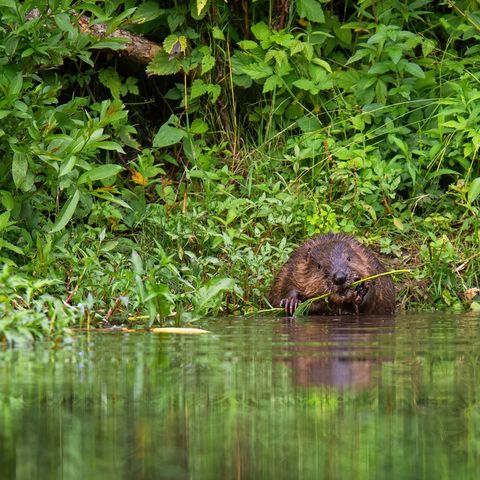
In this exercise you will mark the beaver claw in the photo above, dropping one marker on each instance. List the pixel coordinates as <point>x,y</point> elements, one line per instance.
<point>290,304</point>
<point>361,291</point>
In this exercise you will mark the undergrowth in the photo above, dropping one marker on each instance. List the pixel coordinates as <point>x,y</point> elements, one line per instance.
<point>138,199</point>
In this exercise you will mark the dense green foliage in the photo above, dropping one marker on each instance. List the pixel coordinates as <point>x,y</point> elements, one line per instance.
<point>255,127</point>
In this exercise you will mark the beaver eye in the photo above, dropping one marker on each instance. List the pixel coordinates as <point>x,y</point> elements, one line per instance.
<point>319,266</point>
<point>349,259</point>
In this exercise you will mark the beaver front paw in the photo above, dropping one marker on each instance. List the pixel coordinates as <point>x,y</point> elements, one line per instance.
<point>361,291</point>
<point>290,303</point>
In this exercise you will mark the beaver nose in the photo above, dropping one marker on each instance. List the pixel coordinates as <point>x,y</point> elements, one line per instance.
<point>339,278</point>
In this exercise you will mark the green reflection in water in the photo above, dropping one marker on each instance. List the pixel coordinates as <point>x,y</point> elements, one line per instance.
<point>258,398</point>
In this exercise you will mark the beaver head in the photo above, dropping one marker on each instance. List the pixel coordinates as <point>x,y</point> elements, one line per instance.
<point>333,266</point>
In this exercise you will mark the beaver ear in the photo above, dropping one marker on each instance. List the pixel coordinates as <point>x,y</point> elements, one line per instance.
<point>307,254</point>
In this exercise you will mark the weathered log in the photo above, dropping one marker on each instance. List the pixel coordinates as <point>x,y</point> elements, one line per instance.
<point>136,47</point>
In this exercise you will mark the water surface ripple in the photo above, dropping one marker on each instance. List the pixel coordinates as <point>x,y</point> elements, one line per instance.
<point>258,398</point>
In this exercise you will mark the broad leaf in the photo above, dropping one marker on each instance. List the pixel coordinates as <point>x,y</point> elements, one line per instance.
<point>100,173</point>
<point>66,213</point>
<point>311,10</point>
<point>474,190</point>
<point>19,168</point>
<point>414,70</point>
<point>168,135</point>
<point>207,296</point>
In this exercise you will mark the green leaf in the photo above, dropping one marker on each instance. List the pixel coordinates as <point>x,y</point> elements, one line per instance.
<point>322,63</point>
<point>208,62</point>
<point>147,12</point>
<point>6,199</point>
<point>311,10</point>
<point>137,263</point>
<point>107,145</point>
<point>67,165</point>
<point>395,54</point>
<point>261,31</point>
<point>309,124</point>
<point>107,196</point>
<point>177,42</point>
<point>11,45</point>
<point>168,135</point>
<point>358,56</point>
<point>163,65</point>
<point>308,85</point>
<point>381,92</point>
<point>454,124</point>
<point>66,213</point>
<point>198,127</point>
<point>174,20</point>
<point>379,68</point>
<point>4,220</point>
<point>214,92</point>
<point>201,4</point>
<point>110,78</point>
<point>117,43</point>
<point>16,84</point>
<point>271,83</point>
<point>247,44</point>
<point>9,246</point>
<point>414,70</point>
<point>257,71</point>
<point>198,88</point>
<point>101,172</point>
<point>19,168</point>
<point>428,46</point>
<point>474,189</point>
<point>63,23</point>
<point>207,296</point>
<point>217,34</point>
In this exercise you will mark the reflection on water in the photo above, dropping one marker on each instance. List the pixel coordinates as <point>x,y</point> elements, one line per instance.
<point>342,352</point>
<point>258,398</point>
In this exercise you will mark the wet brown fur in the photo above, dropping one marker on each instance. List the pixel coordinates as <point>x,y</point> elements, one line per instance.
<point>320,264</point>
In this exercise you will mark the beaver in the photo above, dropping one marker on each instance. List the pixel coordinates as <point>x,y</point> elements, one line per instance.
<point>329,264</point>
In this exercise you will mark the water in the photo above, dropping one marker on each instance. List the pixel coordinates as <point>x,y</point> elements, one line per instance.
<point>258,398</point>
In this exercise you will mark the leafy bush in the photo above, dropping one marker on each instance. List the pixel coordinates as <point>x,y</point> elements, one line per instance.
<point>255,128</point>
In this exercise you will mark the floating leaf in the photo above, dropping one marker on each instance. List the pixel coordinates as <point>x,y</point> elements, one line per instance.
<point>179,330</point>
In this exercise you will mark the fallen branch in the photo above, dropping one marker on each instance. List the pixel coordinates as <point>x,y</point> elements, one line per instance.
<point>136,48</point>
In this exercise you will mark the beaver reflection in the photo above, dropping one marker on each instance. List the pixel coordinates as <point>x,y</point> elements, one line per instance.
<point>342,352</point>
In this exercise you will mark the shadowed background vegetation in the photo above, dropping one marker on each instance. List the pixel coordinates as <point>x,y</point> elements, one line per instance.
<point>178,188</point>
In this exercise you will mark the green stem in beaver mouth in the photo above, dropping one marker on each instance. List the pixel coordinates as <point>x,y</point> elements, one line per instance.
<point>303,308</point>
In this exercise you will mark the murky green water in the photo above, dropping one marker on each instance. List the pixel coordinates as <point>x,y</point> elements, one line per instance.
<point>256,399</point>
